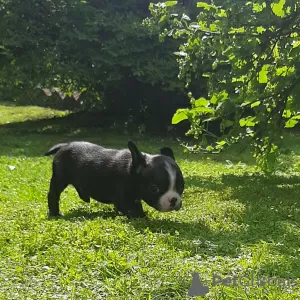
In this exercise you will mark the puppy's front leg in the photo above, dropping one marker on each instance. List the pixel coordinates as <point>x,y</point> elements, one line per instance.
<point>133,209</point>
<point>136,210</point>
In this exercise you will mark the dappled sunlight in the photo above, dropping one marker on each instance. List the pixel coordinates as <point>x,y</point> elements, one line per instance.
<point>10,114</point>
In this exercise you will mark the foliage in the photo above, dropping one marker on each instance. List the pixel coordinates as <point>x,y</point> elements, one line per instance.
<point>98,48</point>
<point>92,253</point>
<point>249,54</point>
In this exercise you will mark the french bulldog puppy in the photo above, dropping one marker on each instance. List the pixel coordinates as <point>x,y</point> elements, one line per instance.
<point>120,177</point>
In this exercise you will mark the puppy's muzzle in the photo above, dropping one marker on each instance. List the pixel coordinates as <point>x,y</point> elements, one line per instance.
<point>169,202</point>
<point>175,203</point>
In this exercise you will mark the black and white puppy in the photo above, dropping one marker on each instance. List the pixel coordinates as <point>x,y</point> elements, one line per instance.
<point>120,177</point>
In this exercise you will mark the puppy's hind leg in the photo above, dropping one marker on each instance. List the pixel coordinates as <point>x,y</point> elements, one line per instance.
<point>56,188</point>
<point>83,196</point>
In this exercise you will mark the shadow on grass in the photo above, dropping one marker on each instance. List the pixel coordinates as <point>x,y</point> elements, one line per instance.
<point>28,137</point>
<point>61,124</point>
<point>248,183</point>
<point>33,138</point>
<point>81,215</point>
<point>271,210</point>
<point>271,215</point>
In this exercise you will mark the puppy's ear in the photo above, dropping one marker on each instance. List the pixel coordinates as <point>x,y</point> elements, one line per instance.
<point>138,159</point>
<point>167,152</point>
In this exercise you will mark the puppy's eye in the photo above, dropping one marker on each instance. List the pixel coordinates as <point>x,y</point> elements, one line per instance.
<point>153,188</point>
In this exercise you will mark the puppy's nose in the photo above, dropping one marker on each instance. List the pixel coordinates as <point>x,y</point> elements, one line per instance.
<point>173,201</point>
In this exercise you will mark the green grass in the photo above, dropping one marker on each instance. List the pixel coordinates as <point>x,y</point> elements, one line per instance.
<point>234,222</point>
<point>14,114</point>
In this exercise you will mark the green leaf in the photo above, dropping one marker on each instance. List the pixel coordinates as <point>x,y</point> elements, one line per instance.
<point>249,121</point>
<point>205,5</point>
<point>291,123</point>
<point>179,116</point>
<point>213,27</point>
<point>242,122</point>
<point>263,74</point>
<point>287,113</point>
<point>201,102</point>
<point>214,99</point>
<point>204,110</point>
<point>170,3</point>
<point>296,44</point>
<point>245,103</point>
<point>215,64</point>
<point>206,75</point>
<point>281,71</point>
<point>277,8</point>
<point>240,79</point>
<point>260,29</point>
<point>222,13</point>
<point>219,97</point>
<point>237,30</point>
<point>276,51</point>
<point>258,7</point>
<point>254,104</point>
<point>163,18</point>
<point>223,95</point>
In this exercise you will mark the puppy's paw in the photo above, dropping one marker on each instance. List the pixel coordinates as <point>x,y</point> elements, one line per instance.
<point>55,216</point>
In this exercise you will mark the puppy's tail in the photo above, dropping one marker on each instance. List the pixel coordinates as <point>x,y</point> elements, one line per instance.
<point>55,149</point>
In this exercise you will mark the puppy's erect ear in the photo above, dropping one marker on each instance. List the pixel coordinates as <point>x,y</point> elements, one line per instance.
<point>138,159</point>
<point>167,152</point>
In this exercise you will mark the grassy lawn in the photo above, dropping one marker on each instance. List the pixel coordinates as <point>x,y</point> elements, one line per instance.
<point>234,222</point>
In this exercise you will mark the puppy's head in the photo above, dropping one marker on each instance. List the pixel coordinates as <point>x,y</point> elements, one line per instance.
<point>159,178</point>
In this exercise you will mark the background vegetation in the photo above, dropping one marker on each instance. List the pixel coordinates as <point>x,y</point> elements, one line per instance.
<point>98,48</point>
<point>249,52</point>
